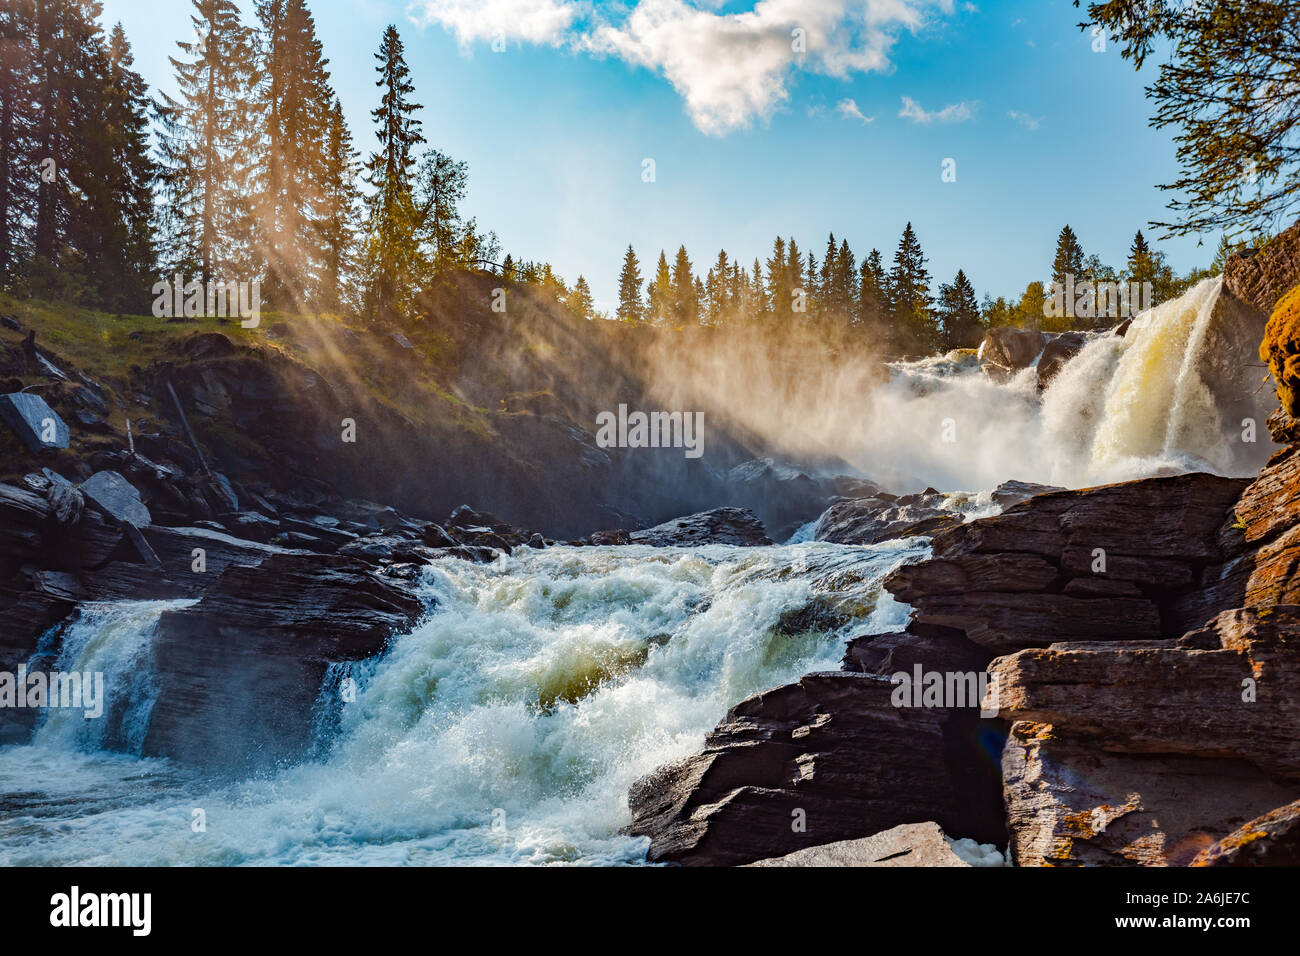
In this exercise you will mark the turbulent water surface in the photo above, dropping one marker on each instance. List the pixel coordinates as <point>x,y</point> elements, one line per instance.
<point>506,728</point>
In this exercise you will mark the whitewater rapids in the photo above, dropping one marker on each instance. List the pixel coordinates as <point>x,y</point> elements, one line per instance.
<point>505,729</point>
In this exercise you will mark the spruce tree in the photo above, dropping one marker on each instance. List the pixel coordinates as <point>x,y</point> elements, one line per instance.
<point>19,164</point>
<point>909,292</point>
<point>685,303</point>
<point>392,249</point>
<point>1068,263</point>
<point>579,299</point>
<point>659,292</point>
<point>630,306</point>
<point>340,223</point>
<point>959,314</point>
<point>207,145</point>
<point>293,103</point>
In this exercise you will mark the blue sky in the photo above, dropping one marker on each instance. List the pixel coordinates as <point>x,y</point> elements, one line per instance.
<point>749,137</point>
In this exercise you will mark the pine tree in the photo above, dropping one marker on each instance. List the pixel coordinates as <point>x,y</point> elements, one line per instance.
<point>293,103</point>
<point>19,164</point>
<point>659,292</point>
<point>909,293</point>
<point>207,145</point>
<point>340,223</point>
<point>959,314</point>
<point>630,307</point>
<point>121,228</point>
<point>442,184</point>
<point>1068,263</point>
<point>685,303</point>
<point>760,306</point>
<point>392,249</point>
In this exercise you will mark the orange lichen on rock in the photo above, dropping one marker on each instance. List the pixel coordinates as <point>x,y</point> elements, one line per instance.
<point>1281,350</point>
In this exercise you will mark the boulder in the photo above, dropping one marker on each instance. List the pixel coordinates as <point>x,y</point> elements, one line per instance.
<point>1262,276</point>
<point>1059,350</point>
<point>735,526</point>
<point>116,498</point>
<point>1006,350</point>
<point>38,426</point>
<point>826,759</point>
<point>884,518</point>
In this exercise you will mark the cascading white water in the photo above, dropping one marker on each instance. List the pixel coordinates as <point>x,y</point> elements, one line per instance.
<point>1124,407</point>
<point>506,728</point>
<point>113,640</point>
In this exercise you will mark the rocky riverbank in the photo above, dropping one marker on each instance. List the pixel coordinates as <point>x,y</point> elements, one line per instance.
<point>1139,650</point>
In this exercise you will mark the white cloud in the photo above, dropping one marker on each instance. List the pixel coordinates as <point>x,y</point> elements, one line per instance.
<point>730,68</point>
<point>529,21</point>
<point>848,108</point>
<point>1025,120</point>
<point>952,113</point>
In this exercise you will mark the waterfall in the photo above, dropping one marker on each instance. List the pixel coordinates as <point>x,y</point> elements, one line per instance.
<point>114,640</point>
<point>505,728</point>
<point>1169,396</point>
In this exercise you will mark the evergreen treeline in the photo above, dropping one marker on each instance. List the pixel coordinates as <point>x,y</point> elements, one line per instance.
<point>896,307</point>
<point>254,176</point>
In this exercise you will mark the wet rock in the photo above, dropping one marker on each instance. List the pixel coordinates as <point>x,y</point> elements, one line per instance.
<point>884,518</point>
<point>33,421</point>
<point>829,758</point>
<point>785,497</point>
<point>1006,350</point>
<point>1013,492</point>
<point>238,672</point>
<point>912,845</point>
<point>894,653</point>
<point>734,526</point>
<point>1059,350</point>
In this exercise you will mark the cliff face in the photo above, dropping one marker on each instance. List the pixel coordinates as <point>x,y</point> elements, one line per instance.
<point>1148,683</point>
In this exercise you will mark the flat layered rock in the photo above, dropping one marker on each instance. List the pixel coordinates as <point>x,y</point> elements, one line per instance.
<point>734,526</point>
<point>239,672</point>
<point>912,844</point>
<point>1229,690</point>
<point>1106,563</point>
